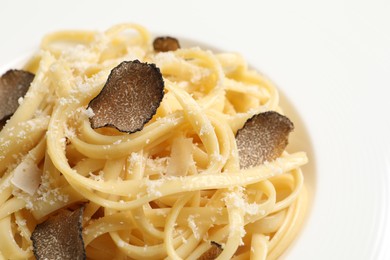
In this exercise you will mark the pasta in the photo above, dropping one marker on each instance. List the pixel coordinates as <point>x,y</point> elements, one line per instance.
<point>166,191</point>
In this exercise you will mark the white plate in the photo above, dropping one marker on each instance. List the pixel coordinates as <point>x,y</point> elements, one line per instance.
<point>330,59</point>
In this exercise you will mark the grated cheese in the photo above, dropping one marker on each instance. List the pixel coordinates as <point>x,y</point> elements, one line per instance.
<point>157,165</point>
<point>89,112</point>
<point>151,186</point>
<point>206,129</point>
<point>192,225</point>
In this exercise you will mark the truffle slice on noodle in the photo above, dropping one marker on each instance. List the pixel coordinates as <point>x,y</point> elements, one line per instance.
<point>164,44</point>
<point>212,253</point>
<point>263,138</point>
<point>130,97</point>
<point>13,85</point>
<point>60,237</point>
<point>3,122</point>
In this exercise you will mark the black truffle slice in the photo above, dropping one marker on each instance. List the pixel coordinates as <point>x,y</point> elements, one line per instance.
<point>130,97</point>
<point>13,85</point>
<point>3,122</point>
<point>164,44</point>
<point>263,138</point>
<point>60,237</point>
<point>212,253</point>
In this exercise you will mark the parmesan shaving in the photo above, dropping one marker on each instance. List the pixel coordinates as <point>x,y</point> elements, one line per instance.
<point>27,176</point>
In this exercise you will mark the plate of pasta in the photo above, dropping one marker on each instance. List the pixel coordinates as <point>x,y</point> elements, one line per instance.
<point>144,148</point>
<point>133,141</point>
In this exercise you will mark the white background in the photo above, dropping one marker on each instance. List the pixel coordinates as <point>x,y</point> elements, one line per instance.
<point>331,59</point>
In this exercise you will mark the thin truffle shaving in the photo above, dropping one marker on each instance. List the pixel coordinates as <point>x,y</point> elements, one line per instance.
<point>263,138</point>
<point>212,253</point>
<point>13,86</point>
<point>164,44</point>
<point>130,97</point>
<point>60,237</point>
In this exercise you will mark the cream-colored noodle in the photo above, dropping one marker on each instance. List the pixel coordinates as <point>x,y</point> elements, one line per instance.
<point>137,204</point>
